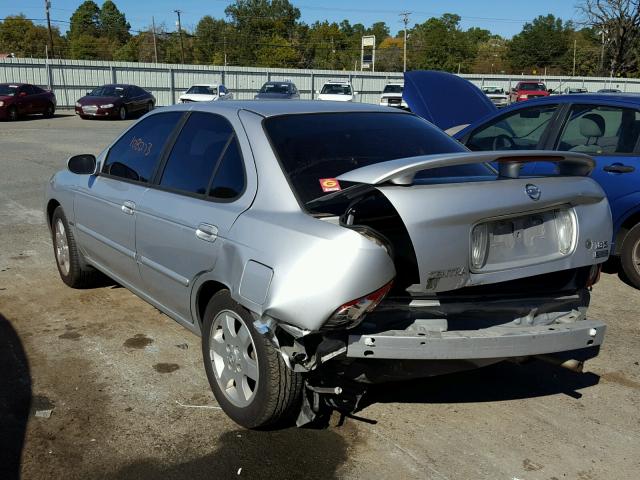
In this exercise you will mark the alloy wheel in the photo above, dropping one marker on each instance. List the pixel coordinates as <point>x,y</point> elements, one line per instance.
<point>62,248</point>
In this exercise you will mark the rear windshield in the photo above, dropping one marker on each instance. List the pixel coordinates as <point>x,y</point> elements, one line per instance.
<point>334,89</point>
<point>275,88</point>
<point>312,147</point>
<point>8,90</point>
<point>393,89</point>
<point>532,86</point>
<point>107,91</point>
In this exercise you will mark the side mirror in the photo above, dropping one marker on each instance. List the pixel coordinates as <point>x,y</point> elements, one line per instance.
<point>550,90</point>
<point>88,93</point>
<point>84,164</point>
<point>355,93</point>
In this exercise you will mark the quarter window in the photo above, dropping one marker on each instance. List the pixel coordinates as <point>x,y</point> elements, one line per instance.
<point>520,130</point>
<point>596,129</point>
<point>135,155</point>
<point>229,179</point>
<point>196,153</point>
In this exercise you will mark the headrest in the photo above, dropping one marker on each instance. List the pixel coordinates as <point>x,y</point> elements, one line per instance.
<point>592,125</point>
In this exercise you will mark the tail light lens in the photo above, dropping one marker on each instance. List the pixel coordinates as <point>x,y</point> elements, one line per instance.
<point>479,244</point>
<point>352,313</point>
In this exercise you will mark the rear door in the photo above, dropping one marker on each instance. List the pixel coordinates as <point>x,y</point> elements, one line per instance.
<point>105,207</point>
<point>608,133</point>
<point>198,194</point>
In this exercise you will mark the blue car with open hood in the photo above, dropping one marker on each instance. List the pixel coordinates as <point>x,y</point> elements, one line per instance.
<point>604,126</point>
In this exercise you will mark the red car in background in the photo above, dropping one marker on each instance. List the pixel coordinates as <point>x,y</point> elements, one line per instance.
<point>21,99</point>
<point>528,90</point>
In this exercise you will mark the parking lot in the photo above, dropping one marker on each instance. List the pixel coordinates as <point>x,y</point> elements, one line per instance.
<point>118,390</point>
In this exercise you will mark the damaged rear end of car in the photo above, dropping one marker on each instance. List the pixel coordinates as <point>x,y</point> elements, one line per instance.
<point>486,265</point>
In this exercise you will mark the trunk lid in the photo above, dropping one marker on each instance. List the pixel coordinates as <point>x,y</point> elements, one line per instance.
<point>526,219</point>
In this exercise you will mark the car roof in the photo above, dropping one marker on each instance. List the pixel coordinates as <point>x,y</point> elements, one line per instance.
<point>278,82</point>
<point>630,98</point>
<point>338,82</point>
<point>271,108</point>
<point>205,85</point>
<point>17,84</point>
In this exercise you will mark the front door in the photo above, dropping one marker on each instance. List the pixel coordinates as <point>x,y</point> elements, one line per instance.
<point>182,220</point>
<point>105,207</point>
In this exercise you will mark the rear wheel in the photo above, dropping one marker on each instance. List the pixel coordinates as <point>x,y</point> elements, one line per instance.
<point>630,256</point>
<point>12,114</point>
<point>49,110</point>
<point>71,267</point>
<point>248,377</point>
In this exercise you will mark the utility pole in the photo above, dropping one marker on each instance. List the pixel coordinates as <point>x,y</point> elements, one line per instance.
<point>225,51</point>
<point>178,12</point>
<point>405,20</point>
<point>47,8</point>
<point>155,45</point>
<point>574,57</point>
<point>602,54</point>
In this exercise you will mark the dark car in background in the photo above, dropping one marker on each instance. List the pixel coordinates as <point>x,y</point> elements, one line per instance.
<point>278,91</point>
<point>21,99</point>
<point>115,101</point>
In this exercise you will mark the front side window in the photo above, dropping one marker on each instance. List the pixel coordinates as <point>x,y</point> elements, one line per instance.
<point>134,156</point>
<point>312,147</point>
<point>197,152</point>
<point>600,130</point>
<point>520,130</point>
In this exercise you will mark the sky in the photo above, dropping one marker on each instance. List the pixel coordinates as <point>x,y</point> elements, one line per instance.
<point>498,16</point>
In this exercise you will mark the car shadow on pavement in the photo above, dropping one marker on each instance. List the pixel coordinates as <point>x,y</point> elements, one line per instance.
<point>290,453</point>
<point>498,382</point>
<point>15,399</point>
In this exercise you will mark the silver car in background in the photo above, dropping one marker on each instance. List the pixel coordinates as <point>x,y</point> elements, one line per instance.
<point>316,244</point>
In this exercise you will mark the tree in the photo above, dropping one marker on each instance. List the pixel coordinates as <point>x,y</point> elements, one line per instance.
<point>259,21</point>
<point>541,44</point>
<point>619,22</point>
<point>491,56</point>
<point>85,21</point>
<point>22,37</point>
<point>389,56</point>
<point>210,39</point>
<point>440,44</point>
<point>113,24</point>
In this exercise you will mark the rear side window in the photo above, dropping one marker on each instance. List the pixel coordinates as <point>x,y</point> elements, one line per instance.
<point>197,152</point>
<point>600,130</point>
<point>135,155</point>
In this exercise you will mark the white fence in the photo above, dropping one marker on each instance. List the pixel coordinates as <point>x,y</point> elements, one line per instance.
<point>70,79</point>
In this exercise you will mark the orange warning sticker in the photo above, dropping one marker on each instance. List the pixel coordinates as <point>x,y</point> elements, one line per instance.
<point>330,185</point>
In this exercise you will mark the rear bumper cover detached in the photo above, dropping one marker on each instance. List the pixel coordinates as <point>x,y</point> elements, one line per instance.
<point>488,343</point>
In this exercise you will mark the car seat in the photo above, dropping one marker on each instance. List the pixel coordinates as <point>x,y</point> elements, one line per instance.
<point>592,127</point>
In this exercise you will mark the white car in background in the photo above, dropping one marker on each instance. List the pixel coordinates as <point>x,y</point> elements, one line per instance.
<point>205,92</point>
<point>337,91</point>
<point>392,96</point>
<point>496,94</point>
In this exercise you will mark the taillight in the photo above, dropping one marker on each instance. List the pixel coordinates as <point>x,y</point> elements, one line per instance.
<point>350,314</point>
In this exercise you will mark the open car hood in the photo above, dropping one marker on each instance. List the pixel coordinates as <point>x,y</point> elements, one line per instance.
<point>444,99</point>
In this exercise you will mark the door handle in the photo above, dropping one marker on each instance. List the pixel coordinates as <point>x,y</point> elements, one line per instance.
<point>128,207</point>
<point>619,168</point>
<point>207,232</point>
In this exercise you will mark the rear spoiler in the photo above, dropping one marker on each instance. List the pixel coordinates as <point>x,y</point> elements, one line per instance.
<point>403,170</point>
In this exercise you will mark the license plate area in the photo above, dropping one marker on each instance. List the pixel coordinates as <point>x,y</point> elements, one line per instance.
<point>528,239</point>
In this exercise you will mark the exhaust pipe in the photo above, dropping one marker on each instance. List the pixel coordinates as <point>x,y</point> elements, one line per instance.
<point>572,364</point>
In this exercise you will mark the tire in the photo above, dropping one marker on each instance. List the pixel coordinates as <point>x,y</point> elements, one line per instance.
<point>12,114</point>
<point>71,267</point>
<point>630,256</point>
<point>270,398</point>
<point>149,107</point>
<point>49,111</point>
<point>122,113</point>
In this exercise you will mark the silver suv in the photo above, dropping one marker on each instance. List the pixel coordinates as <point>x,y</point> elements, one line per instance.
<point>313,244</point>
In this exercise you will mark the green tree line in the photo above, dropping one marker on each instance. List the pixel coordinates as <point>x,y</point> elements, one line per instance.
<point>269,33</point>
